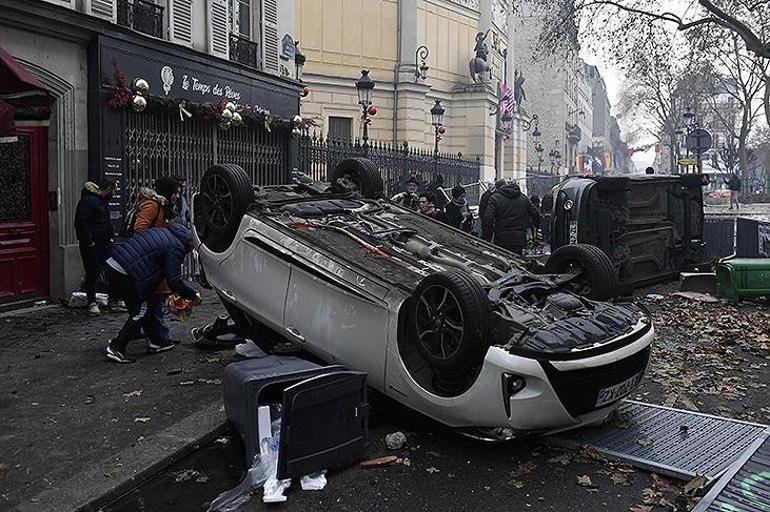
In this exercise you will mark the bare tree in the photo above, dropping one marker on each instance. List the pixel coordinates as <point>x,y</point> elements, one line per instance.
<point>748,20</point>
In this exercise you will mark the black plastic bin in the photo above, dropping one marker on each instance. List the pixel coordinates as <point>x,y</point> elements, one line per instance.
<point>324,416</point>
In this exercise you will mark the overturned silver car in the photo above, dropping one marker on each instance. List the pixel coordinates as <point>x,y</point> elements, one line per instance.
<point>447,324</point>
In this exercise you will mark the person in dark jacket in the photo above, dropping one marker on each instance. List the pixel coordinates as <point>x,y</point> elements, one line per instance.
<point>94,233</point>
<point>427,207</point>
<point>734,185</point>
<point>457,211</point>
<point>508,216</point>
<point>439,199</point>
<point>484,199</point>
<point>135,270</point>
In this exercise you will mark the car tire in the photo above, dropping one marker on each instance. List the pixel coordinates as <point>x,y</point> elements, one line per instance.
<point>600,281</point>
<point>226,192</point>
<point>450,321</point>
<point>358,175</point>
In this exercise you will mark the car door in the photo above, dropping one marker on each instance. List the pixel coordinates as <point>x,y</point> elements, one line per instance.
<point>256,276</point>
<point>337,320</point>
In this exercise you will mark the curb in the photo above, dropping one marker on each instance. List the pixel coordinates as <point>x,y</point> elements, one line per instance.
<point>137,464</point>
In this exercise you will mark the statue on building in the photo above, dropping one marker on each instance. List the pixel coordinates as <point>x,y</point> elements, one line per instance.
<point>518,88</point>
<point>479,65</point>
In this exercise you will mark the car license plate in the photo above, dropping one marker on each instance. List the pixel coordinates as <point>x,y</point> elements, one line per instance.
<point>618,391</point>
<point>573,225</point>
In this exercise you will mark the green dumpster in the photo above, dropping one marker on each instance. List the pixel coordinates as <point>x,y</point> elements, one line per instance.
<point>739,278</point>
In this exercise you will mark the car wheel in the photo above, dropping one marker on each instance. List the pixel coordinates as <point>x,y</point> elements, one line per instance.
<point>226,192</point>
<point>595,278</point>
<point>358,175</point>
<point>451,321</point>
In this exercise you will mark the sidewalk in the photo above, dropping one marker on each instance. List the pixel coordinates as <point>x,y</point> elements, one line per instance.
<point>73,426</point>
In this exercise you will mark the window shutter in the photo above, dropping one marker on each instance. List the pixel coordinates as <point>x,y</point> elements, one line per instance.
<point>219,25</point>
<point>270,36</point>
<point>65,3</point>
<point>180,22</point>
<point>102,8</point>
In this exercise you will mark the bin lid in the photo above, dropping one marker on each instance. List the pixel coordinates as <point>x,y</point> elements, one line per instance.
<point>324,424</point>
<point>747,263</point>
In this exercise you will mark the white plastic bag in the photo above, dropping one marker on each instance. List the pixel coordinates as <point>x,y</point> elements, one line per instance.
<point>313,482</point>
<point>264,462</point>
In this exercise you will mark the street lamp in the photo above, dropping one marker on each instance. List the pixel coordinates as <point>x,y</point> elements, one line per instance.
<point>437,115</point>
<point>555,156</point>
<point>421,71</point>
<point>364,87</point>
<point>299,61</point>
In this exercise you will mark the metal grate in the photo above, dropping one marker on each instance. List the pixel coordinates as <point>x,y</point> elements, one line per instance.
<point>677,443</point>
<point>746,486</point>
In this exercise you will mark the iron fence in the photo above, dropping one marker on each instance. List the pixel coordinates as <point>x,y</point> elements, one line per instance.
<point>318,157</point>
<point>158,144</point>
<point>540,183</point>
<point>244,51</point>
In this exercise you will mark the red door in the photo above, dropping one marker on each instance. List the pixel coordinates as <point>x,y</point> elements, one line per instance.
<point>24,215</point>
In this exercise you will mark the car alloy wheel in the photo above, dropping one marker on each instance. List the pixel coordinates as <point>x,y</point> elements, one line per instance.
<point>219,200</point>
<point>439,322</point>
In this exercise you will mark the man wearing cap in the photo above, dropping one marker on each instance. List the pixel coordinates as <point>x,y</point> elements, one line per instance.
<point>408,198</point>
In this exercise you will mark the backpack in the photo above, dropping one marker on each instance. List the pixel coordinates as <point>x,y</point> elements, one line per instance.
<point>129,219</point>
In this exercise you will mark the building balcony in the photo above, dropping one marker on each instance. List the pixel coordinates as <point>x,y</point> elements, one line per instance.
<point>244,51</point>
<point>141,15</point>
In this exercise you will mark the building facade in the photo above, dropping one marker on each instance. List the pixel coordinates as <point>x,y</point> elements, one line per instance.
<point>195,56</point>
<point>342,37</point>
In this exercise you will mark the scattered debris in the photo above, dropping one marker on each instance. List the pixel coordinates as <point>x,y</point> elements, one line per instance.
<point>141,419</point>
<point>186,475</point>
<point>4,467</point>
<point>517,484</point>
<point>407,462</point>
<point>585,481</point>
<point>395,440</point>
<point>694,484</point>
<point>381,461</point>
<point>699,297</point>
<point>645,442</point>
<point>89,399</point>
<point>563,459</point>
<point>187,383</point>
<point>174,371</point>
<point>223,441</point>
<point>655,296</point>
<point>641,508</point>
<point>432,470</point>
<point>136,392</point>
<point>524,469</point>
<point>210,381</point>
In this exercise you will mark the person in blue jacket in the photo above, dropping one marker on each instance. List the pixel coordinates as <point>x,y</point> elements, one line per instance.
<point>134,271</point>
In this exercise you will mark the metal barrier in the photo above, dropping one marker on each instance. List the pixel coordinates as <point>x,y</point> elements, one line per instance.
<point>719,236</point>
<point>746,238</point>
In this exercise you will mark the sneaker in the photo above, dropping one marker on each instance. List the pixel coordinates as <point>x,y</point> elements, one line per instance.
<point>160,346</point>
<point>93,309</point>
<point>116,355</point>
<point>117,306</point>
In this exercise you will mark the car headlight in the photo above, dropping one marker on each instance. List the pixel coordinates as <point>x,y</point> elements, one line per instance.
<point>568,204</point>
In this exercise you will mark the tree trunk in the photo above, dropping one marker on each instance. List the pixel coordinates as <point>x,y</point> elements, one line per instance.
<point>767,99</point>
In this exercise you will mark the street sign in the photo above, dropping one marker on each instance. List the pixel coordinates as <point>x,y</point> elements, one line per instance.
<point>688,161</point>
<point>699,141</point>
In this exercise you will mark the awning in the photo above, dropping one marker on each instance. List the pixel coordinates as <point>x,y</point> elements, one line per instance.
<point>7,124</point>
<point>18,86</point>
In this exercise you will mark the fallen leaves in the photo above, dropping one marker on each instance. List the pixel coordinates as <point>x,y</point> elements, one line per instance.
<point>564,459</point>
<point>585,481</point>
<point>210,381</point>
<point>186,475</point>
<point>693,485</point>
<point>524,469</point>
<point>134,393</point>
<point>380,461</point>
<point>645,442</point>
<point>640,508</point>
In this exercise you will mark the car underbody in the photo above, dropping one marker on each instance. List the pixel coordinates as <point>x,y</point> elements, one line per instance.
<point>450,325</point>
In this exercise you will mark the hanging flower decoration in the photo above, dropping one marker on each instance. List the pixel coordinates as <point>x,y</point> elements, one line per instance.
<point>124,94</point>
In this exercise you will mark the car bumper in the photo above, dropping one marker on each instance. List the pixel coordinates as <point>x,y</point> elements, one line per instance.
<point>541,406</point>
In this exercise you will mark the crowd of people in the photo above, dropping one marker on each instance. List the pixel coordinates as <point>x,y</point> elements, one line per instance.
<point>141,271</point>
<point>506,214</point>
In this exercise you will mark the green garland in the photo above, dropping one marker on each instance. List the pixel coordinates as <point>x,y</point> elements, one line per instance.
<point>123,97</point>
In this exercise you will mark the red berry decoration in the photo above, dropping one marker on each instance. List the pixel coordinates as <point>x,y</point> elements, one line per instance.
<point>372,110</point>
<point>442,130</point>
<point>305,91</point>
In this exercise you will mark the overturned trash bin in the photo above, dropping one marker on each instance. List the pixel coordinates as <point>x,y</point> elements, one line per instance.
<point>741,278</point>
<point>324,411</point>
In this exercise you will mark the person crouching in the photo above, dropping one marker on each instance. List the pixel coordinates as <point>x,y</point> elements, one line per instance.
<point>134,271</point>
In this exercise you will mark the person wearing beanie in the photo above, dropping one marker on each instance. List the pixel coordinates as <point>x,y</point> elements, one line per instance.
<point>507,218</point>
<point>156,210</point>
<point>408,198</point>
<point>458,213</point>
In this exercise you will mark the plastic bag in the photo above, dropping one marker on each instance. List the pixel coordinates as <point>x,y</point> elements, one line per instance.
<point>264,462</point>
<point>273,489</point>
<point>313,482</point>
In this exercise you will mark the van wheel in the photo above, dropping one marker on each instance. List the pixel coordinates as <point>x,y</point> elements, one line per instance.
<point>358,175</point>
<point>594,274</point>
<point>451,321</point>
<point>226,192</point>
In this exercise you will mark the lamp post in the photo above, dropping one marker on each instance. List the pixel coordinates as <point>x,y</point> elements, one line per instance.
<point>421,70</point>
<point>437,115</point>
<point>690,124</point>
<point>364,87</point>
<point>555,156</point>
<point>534,124</point>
